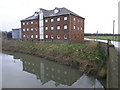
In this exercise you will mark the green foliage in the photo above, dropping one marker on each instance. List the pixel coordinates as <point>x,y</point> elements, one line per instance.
<point>69,52</point>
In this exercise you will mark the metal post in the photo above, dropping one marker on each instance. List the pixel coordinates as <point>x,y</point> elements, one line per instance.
<point>96,35</point>
<point>113,28</point>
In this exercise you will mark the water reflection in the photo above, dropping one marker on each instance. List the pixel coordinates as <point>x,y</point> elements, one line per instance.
<point>48,70</point>
<point>52,74</point>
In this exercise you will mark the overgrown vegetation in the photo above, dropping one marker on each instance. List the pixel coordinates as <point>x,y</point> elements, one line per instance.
<point>65,52</point>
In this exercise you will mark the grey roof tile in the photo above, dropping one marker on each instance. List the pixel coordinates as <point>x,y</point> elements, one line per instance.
<point>51,13</point>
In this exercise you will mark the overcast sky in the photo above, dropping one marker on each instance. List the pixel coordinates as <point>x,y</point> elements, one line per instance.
<point>98,14</point>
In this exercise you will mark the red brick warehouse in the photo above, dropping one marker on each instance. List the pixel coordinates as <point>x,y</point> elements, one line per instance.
<point>56,24</point>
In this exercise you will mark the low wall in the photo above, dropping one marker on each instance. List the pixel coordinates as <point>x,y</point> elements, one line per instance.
<point>112,68</point>
<point>112,55</point>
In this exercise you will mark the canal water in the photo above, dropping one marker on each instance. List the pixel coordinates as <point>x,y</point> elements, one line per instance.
<point>27,71</point>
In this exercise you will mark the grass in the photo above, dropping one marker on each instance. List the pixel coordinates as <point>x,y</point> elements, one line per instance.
<point>116,38</point>
<point>61,49</point>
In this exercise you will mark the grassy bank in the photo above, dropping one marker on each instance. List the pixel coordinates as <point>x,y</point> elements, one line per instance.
<point>87,57</point>
<point>116,38</point>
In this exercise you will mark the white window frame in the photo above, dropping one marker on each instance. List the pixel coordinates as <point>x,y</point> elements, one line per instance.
<point>31,22</point>
<point>58,19</point>
<point>23,23</point>
<point>58,37</point>
<point>74,27</point>
<point>27,29</point>
<point>52,28</point>
<point>56,11</point>
<point>36,36</point>
<point>46,36</point>
<point>31,36</point>
<point>46,28</point>
<point>46,20</point>
<point>31,29</point>
<point>74,19</point>
<point>81,28</point>
<point>24,29</point>
<point>65,37</point>
<point>58,27</point>
<point>35,29</point>
<point>24,36</point>
<point>52,20</point>
<point>65,27</point>
<point>52,37</point>
<point>65,18</point>
<point>78,28</point>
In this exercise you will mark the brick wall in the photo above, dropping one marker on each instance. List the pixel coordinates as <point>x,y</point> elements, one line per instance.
<point>30,28</point>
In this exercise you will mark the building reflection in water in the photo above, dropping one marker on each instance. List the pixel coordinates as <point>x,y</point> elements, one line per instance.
<point>48,71</point>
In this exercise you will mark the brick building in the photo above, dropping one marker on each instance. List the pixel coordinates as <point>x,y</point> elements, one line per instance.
<point>57,24</point>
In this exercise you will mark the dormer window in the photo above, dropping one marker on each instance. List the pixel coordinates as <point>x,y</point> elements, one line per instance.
<point>56,11</point>
<point>35,14</point>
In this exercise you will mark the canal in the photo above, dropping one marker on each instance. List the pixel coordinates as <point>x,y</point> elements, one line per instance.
<point>26,71</point>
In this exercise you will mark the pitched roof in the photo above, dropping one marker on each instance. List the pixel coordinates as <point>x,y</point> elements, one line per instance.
<point>51,13</point>
<point>35,16</point>
<point>61,11</point>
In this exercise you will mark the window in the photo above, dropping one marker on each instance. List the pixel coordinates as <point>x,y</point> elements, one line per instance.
<point>35,29</point>
<point>81,28</point>
<point>52,36</point>
<point>23,29</point>
<point>46,20</point>
<point>52,20</point>
<point>27,29</point>
<point>46,36</point>
<point>78,28</point>
<point>58,27</point>
<point>32,22</point>
<point>65,26</point>
<point>81,21</point>
<point>74,19</point>
<point>46,28</point>
<point>52,28</point>
<point>56,11</point>
<point>74,27</point>
<point>31,36</point>
<point>36,22</point>
<point>58,36</point>
<point>27,23</point>
<point>65,18</point>
<point>23,35</point>
<point>27,36</point>
<point>23,23</point>
<point>36,36</point>
<point>65,36</point>
<point>78,20</point>
<point>58,19</point>
<point>31,29</point>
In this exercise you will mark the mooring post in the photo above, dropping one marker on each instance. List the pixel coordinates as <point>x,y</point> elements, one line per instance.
<point>108,43</point>
<point>107,79</point>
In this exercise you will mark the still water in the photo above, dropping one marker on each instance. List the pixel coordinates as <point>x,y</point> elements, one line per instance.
<point>26,71</point>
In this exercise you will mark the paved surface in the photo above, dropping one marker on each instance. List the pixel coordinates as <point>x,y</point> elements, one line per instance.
<point>115,43</point>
